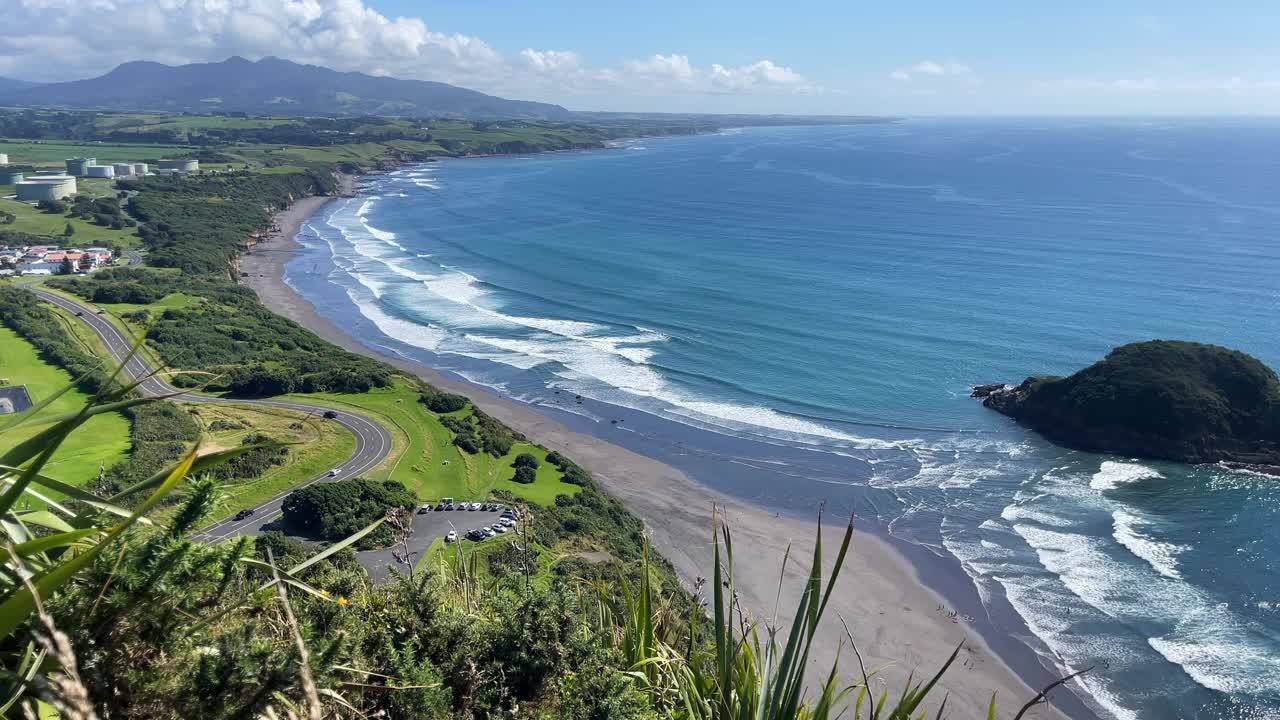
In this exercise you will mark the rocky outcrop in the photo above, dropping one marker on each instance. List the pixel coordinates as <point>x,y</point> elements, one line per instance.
<point>1162,399</point>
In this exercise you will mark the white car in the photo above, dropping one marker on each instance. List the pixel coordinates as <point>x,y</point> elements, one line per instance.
<point>452,536</point>
<point>500,529</point>
<point>334,472</point>
<point>506,522</point>
<point>488,532</point>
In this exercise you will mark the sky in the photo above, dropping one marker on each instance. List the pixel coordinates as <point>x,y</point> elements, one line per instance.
<point>924,57</point>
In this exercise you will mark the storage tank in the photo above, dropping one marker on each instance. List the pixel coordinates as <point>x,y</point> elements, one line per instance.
<point>46,187</point>
<point>80,166</point>
<point>122,169</point>
<point>139,169</point>
<point>101,171</point>
<point>185,165</point>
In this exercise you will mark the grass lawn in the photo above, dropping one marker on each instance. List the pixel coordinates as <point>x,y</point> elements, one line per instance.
<point>37,222</point>
<point>103,440</point>
<point>319,446</point>
<point>422,447</point>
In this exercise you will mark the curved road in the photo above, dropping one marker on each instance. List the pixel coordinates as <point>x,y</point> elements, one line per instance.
<point>373,442</point>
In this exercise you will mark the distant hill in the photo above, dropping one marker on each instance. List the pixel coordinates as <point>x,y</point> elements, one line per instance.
<point>269,86</point>
<point>10,84</point>
<point>1162,399</point>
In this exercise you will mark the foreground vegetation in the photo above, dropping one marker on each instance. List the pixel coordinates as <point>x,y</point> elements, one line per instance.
<point>101,616</point>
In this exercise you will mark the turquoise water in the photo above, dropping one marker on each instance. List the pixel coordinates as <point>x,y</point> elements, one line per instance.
<point>796,315</point>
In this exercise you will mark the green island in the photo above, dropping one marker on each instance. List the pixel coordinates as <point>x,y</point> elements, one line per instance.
<point>114,490</point>
<point>1161,399</point>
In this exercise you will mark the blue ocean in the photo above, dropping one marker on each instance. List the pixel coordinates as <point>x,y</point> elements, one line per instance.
<point>796,315</point>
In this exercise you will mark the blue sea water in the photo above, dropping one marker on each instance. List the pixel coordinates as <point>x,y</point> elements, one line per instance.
<point>796,315</point>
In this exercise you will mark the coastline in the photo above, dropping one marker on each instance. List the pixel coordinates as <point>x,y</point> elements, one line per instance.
<point>895,617</point>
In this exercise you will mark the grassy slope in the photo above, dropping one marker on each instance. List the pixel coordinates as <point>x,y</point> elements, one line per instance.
<point>103,439</point>
<point>37,222</point>
<point>318,446</point>
<point>422,445</point>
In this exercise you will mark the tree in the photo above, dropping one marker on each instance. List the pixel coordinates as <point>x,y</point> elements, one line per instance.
<point>67,267</point>
<point>68,231</point>
<point>525,475</point>
<point>526,460</point>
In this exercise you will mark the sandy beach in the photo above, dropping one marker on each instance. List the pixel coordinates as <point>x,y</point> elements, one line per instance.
<point>900,624</point>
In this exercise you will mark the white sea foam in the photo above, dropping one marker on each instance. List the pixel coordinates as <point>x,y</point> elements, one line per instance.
<point>1224,660</point>
<point>1113,475</point>
<point>1162,556</point>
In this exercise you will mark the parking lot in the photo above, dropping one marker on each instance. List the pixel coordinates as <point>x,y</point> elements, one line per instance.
<point>426,528</point>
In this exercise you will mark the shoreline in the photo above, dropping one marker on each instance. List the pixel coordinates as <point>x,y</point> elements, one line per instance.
<point>895,616</point>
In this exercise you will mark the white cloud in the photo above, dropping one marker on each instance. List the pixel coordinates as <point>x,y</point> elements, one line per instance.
<point>90,36</point>
<point>929,68</point>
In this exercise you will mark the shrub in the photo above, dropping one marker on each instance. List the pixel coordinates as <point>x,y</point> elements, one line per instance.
<point>526,460</point>
<point>443,402</point>
<point>332,511</point>
<point>525,475</point>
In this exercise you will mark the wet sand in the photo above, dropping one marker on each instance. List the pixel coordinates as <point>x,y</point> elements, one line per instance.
<point>900,624</point>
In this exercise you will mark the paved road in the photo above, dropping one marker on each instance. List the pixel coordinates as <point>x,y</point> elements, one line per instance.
<point>373,442</point>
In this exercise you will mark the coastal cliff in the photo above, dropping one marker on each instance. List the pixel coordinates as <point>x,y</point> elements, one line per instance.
<point>1162,399</point>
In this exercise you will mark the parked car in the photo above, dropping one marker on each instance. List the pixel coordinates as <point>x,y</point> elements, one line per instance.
<point>424,509</point>
<point>506,522</point>
<point>448,506</point>
<point>246,513</point>
<point>439,507</point>
<point>451,536</point>
<point>329,414</point>
<point>488,532</point>
<point>500,529</point>
<point>470,506</point>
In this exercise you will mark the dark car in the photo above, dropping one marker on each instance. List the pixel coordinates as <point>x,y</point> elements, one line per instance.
<point>329,414</point>
<point>439,506</point>
<point>248,513</point>
<point>102,312</point>
<point>79,313</point>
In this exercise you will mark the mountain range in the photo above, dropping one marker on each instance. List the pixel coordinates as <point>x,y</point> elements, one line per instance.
<point>268,86</point>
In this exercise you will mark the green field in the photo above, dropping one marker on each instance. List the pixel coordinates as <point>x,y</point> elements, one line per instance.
<point>103,440</point>
<point>422,447</point>
<point>316,446</point>
<point>37,222</point>
<point>54,152</point>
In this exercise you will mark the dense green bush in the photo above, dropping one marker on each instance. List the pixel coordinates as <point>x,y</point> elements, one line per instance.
<point>255,462</point>
<point>526,460</point>
<point>438,401</point>
<point>525,475</point>
<point>199,224</point>
<point>332,511</point>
